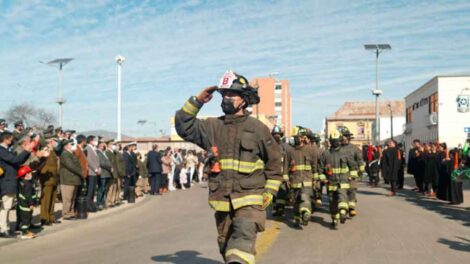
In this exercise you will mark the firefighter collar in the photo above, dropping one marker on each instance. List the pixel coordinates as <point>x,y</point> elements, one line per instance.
<point>229,119</point>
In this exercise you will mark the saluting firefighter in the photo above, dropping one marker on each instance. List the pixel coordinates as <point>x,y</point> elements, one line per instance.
<point>244,164</point>
<point>334,169</point>
<point>356,154</point>
<point>302,160</point>
<point>281,199</point>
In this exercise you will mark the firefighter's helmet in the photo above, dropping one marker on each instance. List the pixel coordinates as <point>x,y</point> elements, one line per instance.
<point>277,130</point>
<point>345,131</point>
<point>22,171</point>
<point>314,137</point>
<point>232,81</point>
<point>335,135</point>
<point>299,131</point>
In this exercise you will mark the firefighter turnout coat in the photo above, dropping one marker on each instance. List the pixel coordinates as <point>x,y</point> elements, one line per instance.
<point>249,157</point>
<point>302,162</point>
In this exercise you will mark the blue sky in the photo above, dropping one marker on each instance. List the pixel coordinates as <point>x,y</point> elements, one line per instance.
<point>175,48</point>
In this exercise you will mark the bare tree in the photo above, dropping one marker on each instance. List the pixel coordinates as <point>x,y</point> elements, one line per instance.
<point>31,115</point>
<point>44,118</point>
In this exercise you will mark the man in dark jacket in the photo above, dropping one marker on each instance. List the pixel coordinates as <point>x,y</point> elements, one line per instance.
<point>154,166</point>
<point>9,163</point>
<point>94,171</point>
<point>391,165</point>
<point>106,175</point>
<point>70,178</point>
<point>130,162</point>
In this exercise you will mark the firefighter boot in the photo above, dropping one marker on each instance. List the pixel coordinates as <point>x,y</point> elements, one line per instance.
<point>297,221</point>
<point>352,212</point>
<point>342,216</point>
<point>305,218</point>
<point>334,221</point>
<point>318,203</point>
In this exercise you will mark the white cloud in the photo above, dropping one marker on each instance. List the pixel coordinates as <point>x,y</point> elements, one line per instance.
<point>173,51</point>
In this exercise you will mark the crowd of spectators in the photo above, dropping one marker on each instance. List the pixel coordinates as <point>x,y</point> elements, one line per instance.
<point>438,171</point>
<point>39,168</point>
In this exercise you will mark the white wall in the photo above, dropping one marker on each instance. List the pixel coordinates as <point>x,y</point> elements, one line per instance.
<point>398,124</point>
<point>451,122</point>
<point>420,117</point>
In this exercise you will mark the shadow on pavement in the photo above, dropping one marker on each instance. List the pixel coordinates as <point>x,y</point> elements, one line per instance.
<point>438,206</point>
<point>287,219</point>
<point>369,193</point>
<point>463,245</point>
<point>185,257</point>
<point>321,221</point>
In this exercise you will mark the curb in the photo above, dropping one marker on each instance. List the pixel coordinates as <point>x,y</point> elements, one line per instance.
<point>77,223</point>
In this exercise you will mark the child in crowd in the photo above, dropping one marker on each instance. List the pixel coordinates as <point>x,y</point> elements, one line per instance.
<point>26,198</point>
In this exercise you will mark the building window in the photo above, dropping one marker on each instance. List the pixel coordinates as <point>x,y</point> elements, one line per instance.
<point>409,114</point>
<point>278,104</point>
<point>361,131</point>
<point>433,106</point>
<point>278,86</point>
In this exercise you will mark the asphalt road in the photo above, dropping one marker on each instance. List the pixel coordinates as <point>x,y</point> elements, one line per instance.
<point>179,228</point>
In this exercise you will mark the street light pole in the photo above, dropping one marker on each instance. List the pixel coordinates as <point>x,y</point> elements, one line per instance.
<point>377,93</point>
<point>60,63</point>
<point>377,49</point>
<point>119,60</point>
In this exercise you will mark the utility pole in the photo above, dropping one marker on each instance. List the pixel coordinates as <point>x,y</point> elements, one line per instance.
<point>59,64</point>
<point>119,60</point>
<point>377,49</point>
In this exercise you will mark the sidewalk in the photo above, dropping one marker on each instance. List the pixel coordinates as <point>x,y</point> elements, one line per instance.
<point>67,223</point>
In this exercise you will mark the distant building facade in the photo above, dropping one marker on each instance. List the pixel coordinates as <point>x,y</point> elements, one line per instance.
<point>275,103</point>
<point>439,110</point>
<point>359,118</point>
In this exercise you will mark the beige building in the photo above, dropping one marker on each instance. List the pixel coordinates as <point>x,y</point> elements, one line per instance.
<point>359,118</point>
<point>275,103</point>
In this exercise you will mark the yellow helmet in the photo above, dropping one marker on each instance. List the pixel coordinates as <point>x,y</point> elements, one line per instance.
<point>335,134</point>
<point>299,131</point>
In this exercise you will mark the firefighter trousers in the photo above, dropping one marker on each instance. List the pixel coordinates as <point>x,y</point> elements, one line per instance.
<point>317,189</point>
<point>237,231</point>
<point>281,197</point>
<point>338,199</point>
<point>25,215</point>
<point>302,201</point>
<point>352,200</point>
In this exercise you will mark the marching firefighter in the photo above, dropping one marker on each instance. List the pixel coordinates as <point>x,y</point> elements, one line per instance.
<point>244,164</point>
<point>302,162</point>
<point>334,169</point>
<point>355,153</point>
<point>314,143</point>
<point>281,199</point>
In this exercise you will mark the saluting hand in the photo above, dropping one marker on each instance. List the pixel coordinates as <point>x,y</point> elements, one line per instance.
<point>206,95</point>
